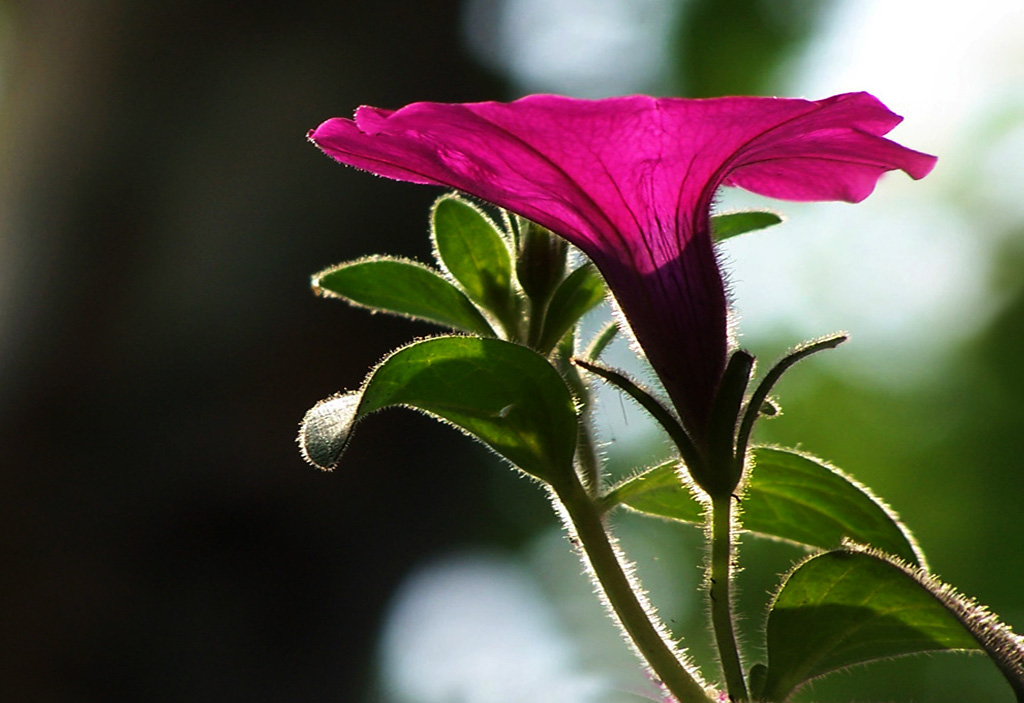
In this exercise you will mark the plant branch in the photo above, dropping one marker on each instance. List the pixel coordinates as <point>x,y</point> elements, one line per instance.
<point>625,599</point>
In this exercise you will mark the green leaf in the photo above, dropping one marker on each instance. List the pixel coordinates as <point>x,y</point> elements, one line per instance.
<point>789,496</point>
<point>736,223</point>
<point>756,679</point>
<point>503,394</point>
<point>803,499</point>
<point>575,296</point>
<point>601,341</point>
<point>473,251</point>
<point>403,288</point>
<point>660,492</point>
<point>853,606</point>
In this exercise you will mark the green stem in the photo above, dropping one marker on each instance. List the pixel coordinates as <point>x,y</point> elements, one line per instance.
<point>587,460</point>
<point>721,599</point>
<point>538,311</point>
<point>623,596</point>
<point>589,463</point>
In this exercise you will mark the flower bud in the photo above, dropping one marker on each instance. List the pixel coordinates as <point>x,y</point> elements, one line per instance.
<point>540,261</point>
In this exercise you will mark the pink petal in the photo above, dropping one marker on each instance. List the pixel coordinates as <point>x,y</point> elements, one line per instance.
<point>630,181</point>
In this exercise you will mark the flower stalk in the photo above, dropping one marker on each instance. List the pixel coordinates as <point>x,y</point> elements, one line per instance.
<point>720,577</point>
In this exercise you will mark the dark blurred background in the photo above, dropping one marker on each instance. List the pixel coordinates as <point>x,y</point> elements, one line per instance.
<point>160,216</point>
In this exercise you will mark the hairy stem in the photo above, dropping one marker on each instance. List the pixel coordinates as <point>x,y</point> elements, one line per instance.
<point>535,326</point>
<point>625,598</point>
<point>721,598</point>
<point>588,461</point>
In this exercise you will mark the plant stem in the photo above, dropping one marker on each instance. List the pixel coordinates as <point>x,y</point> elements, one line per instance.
<point>624,597</point>
<point>587,460</point>
<point>538,310</point>
<point>589,464</point>
<point>721,600</point>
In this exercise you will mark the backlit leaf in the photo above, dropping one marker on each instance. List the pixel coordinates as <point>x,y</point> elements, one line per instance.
<point>474,252</point>
<point>505,395</point>
<point>853,606</point>
<point>403,288</point>
<point>733,224</point>
<point>789,496</point>
<point>575,296</point>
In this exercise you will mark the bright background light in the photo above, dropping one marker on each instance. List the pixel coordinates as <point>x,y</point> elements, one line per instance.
<point>437,647</point>
<point>907,271</point>
<point>588,48</point>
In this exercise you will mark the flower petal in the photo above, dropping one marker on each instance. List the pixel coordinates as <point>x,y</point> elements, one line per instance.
<point>835,152</point>
<point>630,181</point>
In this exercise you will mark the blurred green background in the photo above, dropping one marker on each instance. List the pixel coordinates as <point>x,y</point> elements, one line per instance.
<point>160,214</point>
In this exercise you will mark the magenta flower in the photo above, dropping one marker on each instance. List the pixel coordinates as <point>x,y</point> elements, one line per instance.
<point>630,182</point>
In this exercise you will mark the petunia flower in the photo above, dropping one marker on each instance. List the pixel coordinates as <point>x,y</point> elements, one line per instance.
<point>630,181</point>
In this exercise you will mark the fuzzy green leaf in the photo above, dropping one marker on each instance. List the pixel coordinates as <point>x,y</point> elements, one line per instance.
<point>853,606</point>
<point>734,224</point>
<point>403,288</point>
<point>660,492</point>
<point>601,341</point>
<point>575,296</point>
<point>472,249</point>
<point>789,496</point>
<point>503,394</point>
